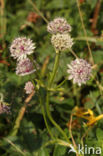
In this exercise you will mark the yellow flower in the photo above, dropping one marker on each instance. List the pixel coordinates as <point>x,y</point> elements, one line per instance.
<point>93,120</point>
<point>87,114</point>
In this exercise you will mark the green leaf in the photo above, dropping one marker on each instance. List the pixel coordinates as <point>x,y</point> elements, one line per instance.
<point>98,56</point>
<point>99,134</point>
<point>55,4</point>
<point>43,152</point>
<point>59,150</point>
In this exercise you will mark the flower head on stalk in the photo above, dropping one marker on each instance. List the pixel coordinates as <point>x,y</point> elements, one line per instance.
<point>62,42</point>
<point>29,87</point>
<point>58,25</point>
<point>80,71</point>
<point>4,108</point>
<point>21,47</point>
<point>25,67</point>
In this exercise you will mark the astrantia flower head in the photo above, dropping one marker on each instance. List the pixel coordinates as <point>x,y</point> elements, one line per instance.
<point>4,108</point>
<point>62,42</point>
<point>80,71</point>
<point>29,87</point>
<point>24,67</point>
<point>58,25</point>
<point>21,47</point>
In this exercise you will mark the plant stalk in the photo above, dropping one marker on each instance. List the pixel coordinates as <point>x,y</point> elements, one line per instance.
<point>21,115</point>
<point>48,95</point>
<point>45,120</point>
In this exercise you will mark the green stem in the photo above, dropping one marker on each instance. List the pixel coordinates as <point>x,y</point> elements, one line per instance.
<point>61,83</point>
<point>45,120</point>
<point>15,146</point>
<point>38,11</point>
<point>98,108</point>
<point>52,120</point>
<point>35,66</point>
<point>73,53</point>
<point>48,94</point>
<point>54,69</point>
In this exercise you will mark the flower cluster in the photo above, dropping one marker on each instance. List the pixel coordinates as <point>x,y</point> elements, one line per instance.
<point>58,25</point>
<point>59,28</point>
<point>25,67</point>
<point>4,108</point>
<point>29,87</point>
<point>20,48</point>
<point>80,71</point>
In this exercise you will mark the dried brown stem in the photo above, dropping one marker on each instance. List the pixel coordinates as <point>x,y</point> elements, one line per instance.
<point>38,11</point>
<point>72,135</point>
<point>44,67</point>
<point>85,33</point>
<point>95,17</point>
<point>21,114</point>
<point>2,19</point>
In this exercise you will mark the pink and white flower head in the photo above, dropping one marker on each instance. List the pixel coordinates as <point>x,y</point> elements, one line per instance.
<point>24,67</point>
<point>29,87</point>
<point>4,108</point>
<point>58,25</point>
<point>21,47</point>
<point>62,42</point>
<point>80,71</point>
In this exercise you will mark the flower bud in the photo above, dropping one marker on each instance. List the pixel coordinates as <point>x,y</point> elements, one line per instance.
<point>29,87</point>
<point>62,42</point>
